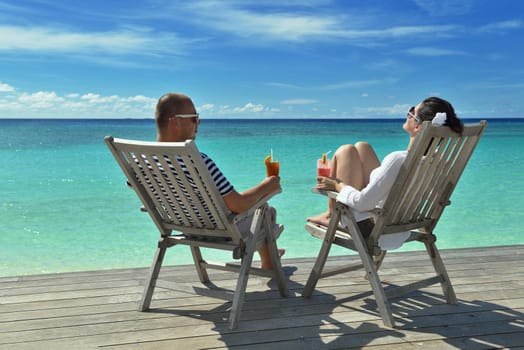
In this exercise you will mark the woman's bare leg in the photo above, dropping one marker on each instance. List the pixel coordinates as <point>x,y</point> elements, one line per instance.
<point>346,165</point>
<point>368,160</point>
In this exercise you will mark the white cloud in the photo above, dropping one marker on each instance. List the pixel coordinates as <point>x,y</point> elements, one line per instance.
<point>97,99</point>
<point>284,85</point>
<point>397,110</point>
<point>496,85</point>
<point>433,51</point>
<point>237,19</point>
<point>445,7</point>
<point>137,98</point>
<point>352,84</point>
<point>206,107</point>
<point>249,108</point>
<point>299,101</point>
<point>41,99</point>
<point>49,104</point>
<point>6,87</point>
<point>399,32</point>
<point>58,40</point>
<point>94,105</point>
<point>231,18</point>
<point>502,26</point>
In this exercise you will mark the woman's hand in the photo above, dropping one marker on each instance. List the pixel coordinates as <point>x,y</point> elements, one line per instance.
<point>328,183</point>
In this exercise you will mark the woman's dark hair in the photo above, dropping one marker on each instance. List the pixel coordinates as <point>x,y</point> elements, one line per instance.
<point>433,105</point>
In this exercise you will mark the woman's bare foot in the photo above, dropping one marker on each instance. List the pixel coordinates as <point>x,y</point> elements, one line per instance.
<point>320,219</point>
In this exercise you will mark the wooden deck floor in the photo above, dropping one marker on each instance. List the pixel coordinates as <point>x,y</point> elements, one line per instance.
<point>98,309</point>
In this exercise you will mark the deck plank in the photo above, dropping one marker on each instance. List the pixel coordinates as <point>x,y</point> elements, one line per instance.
<point>97,309</point>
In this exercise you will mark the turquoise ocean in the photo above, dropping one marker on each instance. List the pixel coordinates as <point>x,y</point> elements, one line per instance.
<point>64,205</point>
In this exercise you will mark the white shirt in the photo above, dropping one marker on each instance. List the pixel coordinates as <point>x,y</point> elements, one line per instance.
<point>374,194</point>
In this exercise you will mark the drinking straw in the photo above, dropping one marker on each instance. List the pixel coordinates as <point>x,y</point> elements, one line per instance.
<point>324,156</point>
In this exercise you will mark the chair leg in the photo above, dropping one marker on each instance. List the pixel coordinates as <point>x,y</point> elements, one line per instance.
<point>440,269</point>
<point>198,260</point>
<point>378,261</point>
<point>316,272</point>
<point>277,268</point>
<point>247,260</point>
<point>153,275</point>
<point>371,268</point>
<point>243,276</point>
<point>273,254</point>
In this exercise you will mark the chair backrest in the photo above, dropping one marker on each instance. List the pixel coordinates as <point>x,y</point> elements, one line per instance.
<point>175,187</point>
<point>427,179</point>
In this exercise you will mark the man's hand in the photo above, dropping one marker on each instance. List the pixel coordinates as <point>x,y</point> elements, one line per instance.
<point>272,183</point>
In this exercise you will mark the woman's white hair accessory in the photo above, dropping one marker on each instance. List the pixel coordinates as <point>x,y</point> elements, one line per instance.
<point>439,119</point>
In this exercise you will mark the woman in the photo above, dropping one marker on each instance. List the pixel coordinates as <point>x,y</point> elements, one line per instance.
<point>362,181</point>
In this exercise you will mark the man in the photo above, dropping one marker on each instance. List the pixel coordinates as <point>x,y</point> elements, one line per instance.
<point>177,120</point>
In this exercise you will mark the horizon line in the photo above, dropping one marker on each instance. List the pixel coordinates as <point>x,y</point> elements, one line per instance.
<point>256,119</point>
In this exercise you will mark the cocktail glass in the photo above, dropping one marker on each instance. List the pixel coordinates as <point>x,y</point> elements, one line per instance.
<point>272,168</point>
<point>323,167</point>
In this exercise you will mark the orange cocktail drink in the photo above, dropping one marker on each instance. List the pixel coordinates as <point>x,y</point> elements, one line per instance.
<point>272,166</point>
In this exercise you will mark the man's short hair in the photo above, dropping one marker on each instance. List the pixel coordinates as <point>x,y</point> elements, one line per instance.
<point>167,106</point>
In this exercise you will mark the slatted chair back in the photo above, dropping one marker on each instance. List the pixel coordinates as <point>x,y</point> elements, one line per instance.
<point>172,181</point>
<point>426,180</point>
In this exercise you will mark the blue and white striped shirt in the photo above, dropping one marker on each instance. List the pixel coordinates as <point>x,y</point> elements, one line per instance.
<point>223,185</point>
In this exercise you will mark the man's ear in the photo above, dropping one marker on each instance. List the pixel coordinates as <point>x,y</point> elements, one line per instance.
<point>174,121</point>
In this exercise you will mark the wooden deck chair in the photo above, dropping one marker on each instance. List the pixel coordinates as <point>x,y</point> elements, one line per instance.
<point>177,191</point>
<point>421,191</point>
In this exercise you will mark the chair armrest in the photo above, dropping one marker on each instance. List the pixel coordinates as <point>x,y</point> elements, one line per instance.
<point>257,205</point>
<point>330,194</point>
<point>333,195</point>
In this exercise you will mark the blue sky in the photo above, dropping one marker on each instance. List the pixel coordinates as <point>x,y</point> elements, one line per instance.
<point>260,58</point>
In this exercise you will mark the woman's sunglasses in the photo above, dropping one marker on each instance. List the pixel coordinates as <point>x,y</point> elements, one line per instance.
<point>411,114</point>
